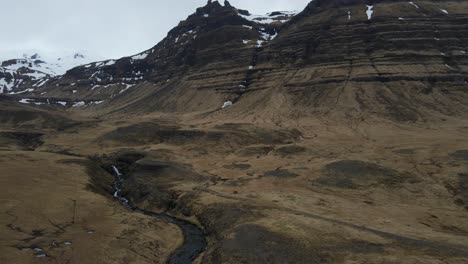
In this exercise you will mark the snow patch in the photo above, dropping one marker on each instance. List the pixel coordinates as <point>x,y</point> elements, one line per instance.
<point>109,63</point>
<point>4,85</point>
<point>270,18</point>
<point>415,5</point>
<point>79,104</point>
<point>260,43</point>
<point>444,11</point>
<point>370,11</point>
<point>127,86</point>
<point>24,91</point>
<point>141,56</point>
<point>227,104</point>
<point>24,101</point>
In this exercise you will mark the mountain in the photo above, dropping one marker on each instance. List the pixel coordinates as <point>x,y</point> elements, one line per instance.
<point>34,70</point>
<point>391,58</point>
<point>213,32</point>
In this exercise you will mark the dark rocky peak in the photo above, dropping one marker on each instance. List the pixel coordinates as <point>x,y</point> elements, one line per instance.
<point>35,56</point>
<point>78,55</point>
<point>13,62</point>
<point>210,8</point>
<point>211,16</point>
<point>243,12</point>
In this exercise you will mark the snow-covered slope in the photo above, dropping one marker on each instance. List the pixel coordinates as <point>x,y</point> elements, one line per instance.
<point>34,68</point>
<point>269,18</point>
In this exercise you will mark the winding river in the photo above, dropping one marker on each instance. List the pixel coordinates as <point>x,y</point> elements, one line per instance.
<point>194,238</point>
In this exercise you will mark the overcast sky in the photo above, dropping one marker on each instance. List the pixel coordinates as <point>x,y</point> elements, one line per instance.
<point>107,28</point>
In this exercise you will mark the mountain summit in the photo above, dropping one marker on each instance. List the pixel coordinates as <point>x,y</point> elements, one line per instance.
<point>33,70</point>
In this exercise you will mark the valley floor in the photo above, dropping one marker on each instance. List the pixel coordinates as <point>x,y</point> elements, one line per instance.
<point>302,191</point>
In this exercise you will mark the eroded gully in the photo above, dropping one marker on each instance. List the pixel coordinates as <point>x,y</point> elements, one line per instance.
<point>194,239</point>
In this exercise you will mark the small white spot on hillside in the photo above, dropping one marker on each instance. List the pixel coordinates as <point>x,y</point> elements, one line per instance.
<point>249,27</point>
<point>206,15</point>
<point>127,86</point>
<point>42,83</point>
<point>140,56</point>
<point>444,11</point>
<point>62,103</point>
<point>437,38</point>
<point>272,37</point>
<point>79,104</point>
<point>443,54</point>
<point>5,85</point>
<point>227,104</point>
<point>415,5</point>
<point>251,67</point>
<point>75,91</point>
<point>260,43</point>
<point>24,91</point>
<point>246,41</point>
<point>349,15</point>
<point>463,52</point>
<point>24,101</point>
<point>370,11</point>
<point>400,18</point>
<point>109,63</point>
<point>176,40</point>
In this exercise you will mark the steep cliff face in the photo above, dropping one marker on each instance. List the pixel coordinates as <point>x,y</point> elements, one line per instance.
<point>401,60</point>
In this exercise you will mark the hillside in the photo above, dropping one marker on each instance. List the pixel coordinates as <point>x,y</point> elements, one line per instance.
<point>398,60</point>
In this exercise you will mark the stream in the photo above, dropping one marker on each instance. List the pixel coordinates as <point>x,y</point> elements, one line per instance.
<point>194,238</point>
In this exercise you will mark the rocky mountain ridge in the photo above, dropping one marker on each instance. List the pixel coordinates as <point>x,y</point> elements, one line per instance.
<point>400,60</point>
<point>32,71</point>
